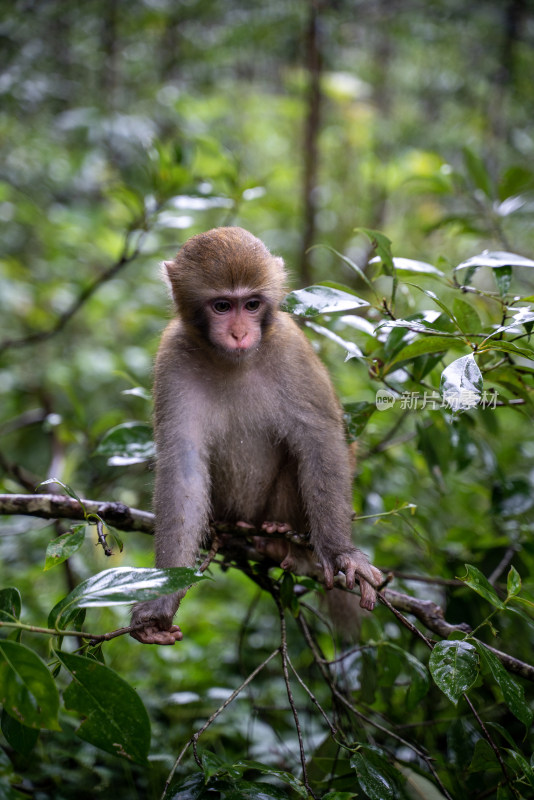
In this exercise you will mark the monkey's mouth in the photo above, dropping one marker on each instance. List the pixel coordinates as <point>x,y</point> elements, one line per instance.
<point>236,354</point>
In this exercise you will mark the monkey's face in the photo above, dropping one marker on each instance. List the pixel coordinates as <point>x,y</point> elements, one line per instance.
<point>234,323</point>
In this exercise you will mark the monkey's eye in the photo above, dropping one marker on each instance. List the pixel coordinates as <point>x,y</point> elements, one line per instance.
<point>221,306</point>
<point>252,305</point>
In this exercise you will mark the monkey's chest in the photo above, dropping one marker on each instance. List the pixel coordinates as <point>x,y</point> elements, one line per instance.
<point>253,479</point>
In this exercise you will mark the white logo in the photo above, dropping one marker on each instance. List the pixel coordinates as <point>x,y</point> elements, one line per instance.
<point>384,400</point>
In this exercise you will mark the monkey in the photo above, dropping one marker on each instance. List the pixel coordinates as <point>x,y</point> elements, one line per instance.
<point>248,428</point>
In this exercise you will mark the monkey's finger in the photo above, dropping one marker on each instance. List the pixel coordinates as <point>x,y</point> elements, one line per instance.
<point>153,635</point>
<point>328,576</point>
<point>350,575</point>
<point>288,562</point>
<point>367,595</point>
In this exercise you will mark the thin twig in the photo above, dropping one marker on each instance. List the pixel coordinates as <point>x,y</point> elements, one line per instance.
<point>41,336</point>
<point>406,622</point>
<point>312,697</point>
<point>283,653</point>
<point>102,538</point>
<point>492,744</point>
<point>503,564</point>
<point>320,661</point>
<point>196,736</point>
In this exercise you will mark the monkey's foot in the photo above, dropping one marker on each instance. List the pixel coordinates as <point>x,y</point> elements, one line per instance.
<point>152,634</point>
<point>276,527</point>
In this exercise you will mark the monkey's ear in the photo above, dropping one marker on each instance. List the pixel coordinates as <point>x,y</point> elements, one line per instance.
<point>165,268</point>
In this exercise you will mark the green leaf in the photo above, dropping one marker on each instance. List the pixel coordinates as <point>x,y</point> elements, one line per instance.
<point>512,691</point>
<point>503,279</point>
<point>505,347</point>
<point>317,300</point>
<point>409,265</point>
<point>477,171</point>
<point>27,689</point>
<point>58,550</point>
<point>419,680</point>
<point>414,324</point>
<point>20,737</point>
<point>378,779</point>
<point>287,594</point>
<point>129,443</point>
<point>429,344</point>
<point>483,758</point>
<point>358,270</point>
<point>353,351</point>
<point>138,391</point>
<point>480,584</point>
<point>268,769</point>
<point>495,259</point>
<point>115,717</point>
<point>244,790</point>
<point>521,765</point>
<point>189,788</point>
<point>382,247</point>
<point>454,667</point>
<point>356,416</point>
<point>65,486</point>
<point>10,604</point>
<point>461,740</point>
<point>461,383</point>
<point>466,316</point>
<point>513,582</point>
<point>215,765</point>
<point>121,586</point>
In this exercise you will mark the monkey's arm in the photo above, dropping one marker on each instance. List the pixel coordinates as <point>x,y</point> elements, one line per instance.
<point>325,481</point>
<point>181,502</point>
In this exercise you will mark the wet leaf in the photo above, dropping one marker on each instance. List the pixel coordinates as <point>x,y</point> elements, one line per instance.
<point>512,692</point>
<point>115,718</point>
<point>353,351</point>
<point>27,690</point>
<point>10,604</point>
<point>58,550</point>
<point>21,738</point>
<point>495,258</point>
<point>356,416</point>
<point>317,300</point>
<point>480,584</point>
<point>121,586</point>
<point>378,779</point>
<point>461,383</point>
<point>454,667</point>
<point>129,443</point>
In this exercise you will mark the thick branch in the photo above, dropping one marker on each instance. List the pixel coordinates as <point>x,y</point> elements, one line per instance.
<point>55,506</point>
<point>58,506</point>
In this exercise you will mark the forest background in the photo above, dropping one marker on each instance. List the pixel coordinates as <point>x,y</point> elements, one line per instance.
<point>385,149</point>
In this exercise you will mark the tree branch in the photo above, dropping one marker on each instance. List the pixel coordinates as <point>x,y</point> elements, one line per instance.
<point>55,506</point>
<point>58,506</point>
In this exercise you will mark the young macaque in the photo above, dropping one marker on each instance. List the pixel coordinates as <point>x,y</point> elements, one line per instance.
<point>248,428</point>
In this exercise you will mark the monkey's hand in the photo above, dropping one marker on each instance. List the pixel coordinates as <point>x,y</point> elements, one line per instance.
<point>354,564</point>
<point>155,617</point>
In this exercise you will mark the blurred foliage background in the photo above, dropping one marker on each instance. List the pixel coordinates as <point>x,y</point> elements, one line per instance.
<point>126,127</point>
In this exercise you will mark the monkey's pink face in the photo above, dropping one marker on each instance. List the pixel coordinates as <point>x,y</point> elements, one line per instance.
<point>234,323</point>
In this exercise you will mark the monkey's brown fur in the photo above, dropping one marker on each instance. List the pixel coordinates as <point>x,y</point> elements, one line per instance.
<point>243,432</point>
